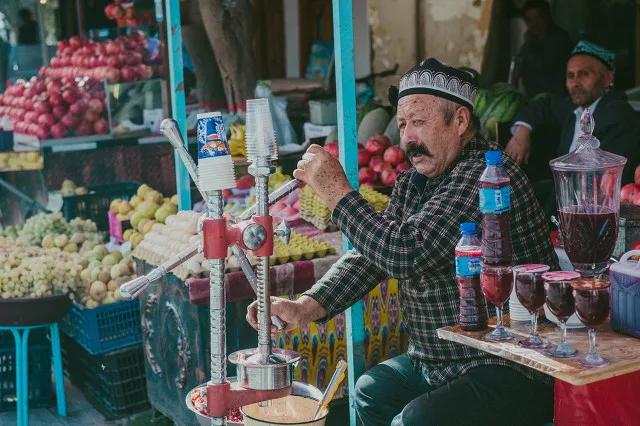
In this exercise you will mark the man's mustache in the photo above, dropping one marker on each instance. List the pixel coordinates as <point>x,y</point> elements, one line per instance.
<point>414,149</point>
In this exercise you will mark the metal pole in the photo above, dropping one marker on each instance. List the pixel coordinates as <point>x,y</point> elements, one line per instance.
<point>347,140</point>
<point>176,92</point>
<point>43,45</point>
<point>22,196</point>
<point>80,17</point>
<point>217,305</point>
<point>264,282</point>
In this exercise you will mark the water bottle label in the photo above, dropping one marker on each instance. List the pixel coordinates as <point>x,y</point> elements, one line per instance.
<point>495,201</point>
<point>467,266</point>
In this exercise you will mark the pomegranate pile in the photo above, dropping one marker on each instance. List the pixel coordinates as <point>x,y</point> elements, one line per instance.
<point>630,193</point>
<point>379,163</point>
<point>67,97</point>
<point>52,108</point>
<point>120,60</point>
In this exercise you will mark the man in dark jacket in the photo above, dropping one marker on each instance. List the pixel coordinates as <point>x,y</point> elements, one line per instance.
<point>543,55</point>
<point>551,121</point>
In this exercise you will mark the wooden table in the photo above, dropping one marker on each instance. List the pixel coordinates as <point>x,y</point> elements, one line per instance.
<point>623,352</point>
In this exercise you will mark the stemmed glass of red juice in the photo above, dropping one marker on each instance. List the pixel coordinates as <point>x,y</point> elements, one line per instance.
<point>529,287</point>
<point>496,283</point>
<point>559,298</point>
<point>592,308</point>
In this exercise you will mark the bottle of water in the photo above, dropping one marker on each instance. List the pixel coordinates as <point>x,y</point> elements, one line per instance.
<point>473,307</point>
<point>495,204</point>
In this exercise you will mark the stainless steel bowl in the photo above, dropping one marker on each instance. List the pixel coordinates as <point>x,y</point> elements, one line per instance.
<point>276,374</point>
<point>297,388</point>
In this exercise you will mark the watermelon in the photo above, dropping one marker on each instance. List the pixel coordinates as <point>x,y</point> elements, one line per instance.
<point>483,99</point>
<point>501,88</point>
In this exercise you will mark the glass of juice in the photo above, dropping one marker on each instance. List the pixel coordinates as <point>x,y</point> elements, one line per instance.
<point>559,299</point>
<point>529,287</point>
<point>496,283</point>
<point>592,308</point>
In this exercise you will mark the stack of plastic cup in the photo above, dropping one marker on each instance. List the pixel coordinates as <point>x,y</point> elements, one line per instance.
<point>261,139</point>
<point>215,165</point>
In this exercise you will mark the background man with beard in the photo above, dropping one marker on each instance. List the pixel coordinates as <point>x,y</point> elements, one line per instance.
<point>436,382</point>
<point>548,128</point>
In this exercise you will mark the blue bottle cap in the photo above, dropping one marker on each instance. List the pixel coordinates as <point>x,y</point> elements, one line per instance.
<point>468,228</point>
<point>493,158</point>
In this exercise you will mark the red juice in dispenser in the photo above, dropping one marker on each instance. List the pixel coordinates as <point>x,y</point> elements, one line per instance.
<point>473,307</point>
<point>495,204</point>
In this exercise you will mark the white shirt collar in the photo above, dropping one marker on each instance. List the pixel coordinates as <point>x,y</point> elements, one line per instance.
<point>579,110</point>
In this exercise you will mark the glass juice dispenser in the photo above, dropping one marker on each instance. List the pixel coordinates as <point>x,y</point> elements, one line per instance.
<point>587,184</point>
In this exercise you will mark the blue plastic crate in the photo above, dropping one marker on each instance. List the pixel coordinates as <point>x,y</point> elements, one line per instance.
<point>40,392</point>
<point>106,328</point>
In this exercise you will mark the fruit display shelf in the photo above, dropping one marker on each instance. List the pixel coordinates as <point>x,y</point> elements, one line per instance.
<point>81,143</point>
<point>314,211</point>
<point>300,247</point>
<point>16,161</point>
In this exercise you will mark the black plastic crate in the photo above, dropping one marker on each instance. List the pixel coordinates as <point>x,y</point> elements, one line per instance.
<point>115,383</point>
<point>124,404</point>
<point>40,393</point>
<point>95,204</point>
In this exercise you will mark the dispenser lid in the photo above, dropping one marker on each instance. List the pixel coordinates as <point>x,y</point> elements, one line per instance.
<point>627,265</point>
<point>588,155</point>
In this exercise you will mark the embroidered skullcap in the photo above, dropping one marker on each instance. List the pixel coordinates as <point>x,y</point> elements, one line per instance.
<point>432,77</point>
<point>607,57</point>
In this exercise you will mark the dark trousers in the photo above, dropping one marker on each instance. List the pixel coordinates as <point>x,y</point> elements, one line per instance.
<point>395,393</point>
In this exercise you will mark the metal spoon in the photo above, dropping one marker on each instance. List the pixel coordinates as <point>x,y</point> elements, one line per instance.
<point>330,391</point>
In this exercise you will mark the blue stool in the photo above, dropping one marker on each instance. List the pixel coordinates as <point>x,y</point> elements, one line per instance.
<point>21,339</point>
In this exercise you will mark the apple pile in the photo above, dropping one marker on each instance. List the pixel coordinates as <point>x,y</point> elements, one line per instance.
<point>126,15</point>
<point>48,107</point>
<point>120,60</point>
<point>630,193</point>
<point>379,163</point>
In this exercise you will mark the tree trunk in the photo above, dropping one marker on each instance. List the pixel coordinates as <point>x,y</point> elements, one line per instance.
<point>210,90</point>
<point>228,27</point>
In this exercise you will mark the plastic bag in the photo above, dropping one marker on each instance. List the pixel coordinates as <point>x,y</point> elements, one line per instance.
<point>281,125</point>
<point>604,403</point>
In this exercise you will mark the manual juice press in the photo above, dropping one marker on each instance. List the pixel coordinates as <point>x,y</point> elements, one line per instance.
<point>264,373</point>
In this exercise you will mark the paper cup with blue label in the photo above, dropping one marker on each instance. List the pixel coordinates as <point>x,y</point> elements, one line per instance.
<point>215,165</point>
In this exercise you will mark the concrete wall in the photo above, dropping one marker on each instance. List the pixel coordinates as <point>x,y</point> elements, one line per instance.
<point>406,31</point>
<point>394,39</point>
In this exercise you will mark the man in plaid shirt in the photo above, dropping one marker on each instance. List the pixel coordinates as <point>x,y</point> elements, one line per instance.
<point>436,382</point>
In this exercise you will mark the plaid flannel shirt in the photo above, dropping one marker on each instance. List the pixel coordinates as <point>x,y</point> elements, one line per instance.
<point>414,239</point>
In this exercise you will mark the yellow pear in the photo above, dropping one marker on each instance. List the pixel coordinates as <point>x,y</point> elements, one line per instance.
<point>136,217</point>
<point>143,189</point>
<point>147,209</point>
<point>154,197</point>
<point>148,226</point>
<point>141,224</point>
<point>134,201</point>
